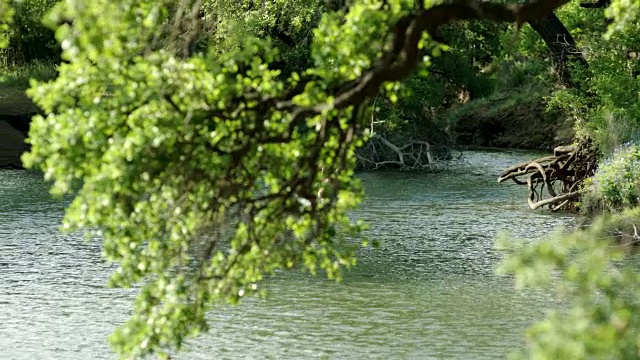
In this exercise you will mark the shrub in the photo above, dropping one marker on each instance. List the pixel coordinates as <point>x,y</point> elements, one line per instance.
<point>616,185</point>
<point>28,38</point>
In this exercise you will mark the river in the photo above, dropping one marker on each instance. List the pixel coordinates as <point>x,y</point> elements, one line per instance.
<point>429,292</point>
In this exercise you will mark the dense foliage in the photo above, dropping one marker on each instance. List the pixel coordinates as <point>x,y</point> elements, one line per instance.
<point>212,143</point>
<point>6,18</point>
<point>28,39</point>
<point>616,185</point>
<point>603,317</point>
<point>186,161</point>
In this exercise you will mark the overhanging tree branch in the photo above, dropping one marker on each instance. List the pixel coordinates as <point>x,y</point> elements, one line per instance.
<point>400,59</point>
<point>403,55</point>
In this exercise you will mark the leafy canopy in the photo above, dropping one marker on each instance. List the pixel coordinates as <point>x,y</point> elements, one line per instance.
<point>201,164</point>
<point>194,169</point>
<point>6,18</point>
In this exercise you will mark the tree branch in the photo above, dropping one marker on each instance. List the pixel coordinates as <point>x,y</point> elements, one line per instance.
<point>403,56</point>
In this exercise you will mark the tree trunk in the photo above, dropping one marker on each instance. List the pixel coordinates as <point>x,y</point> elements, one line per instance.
<point>561,44</point>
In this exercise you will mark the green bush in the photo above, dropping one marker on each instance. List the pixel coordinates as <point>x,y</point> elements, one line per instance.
<point>28,38</point>
<point>19,76</point>
<point>616,185</point>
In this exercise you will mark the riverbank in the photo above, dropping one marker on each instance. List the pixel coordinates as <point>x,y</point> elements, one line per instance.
<point>12,146</point>
<point>16,110</point>
<point>518,120</point>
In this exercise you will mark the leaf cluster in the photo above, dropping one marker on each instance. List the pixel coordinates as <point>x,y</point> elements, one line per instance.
<point>205,169</point>
<point>600,288</point>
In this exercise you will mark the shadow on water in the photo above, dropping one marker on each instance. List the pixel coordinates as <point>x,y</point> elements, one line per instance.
<point>429,292</point>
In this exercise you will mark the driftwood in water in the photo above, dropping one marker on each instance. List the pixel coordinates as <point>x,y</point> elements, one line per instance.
<point>561,174</point>
<point>380,153</point>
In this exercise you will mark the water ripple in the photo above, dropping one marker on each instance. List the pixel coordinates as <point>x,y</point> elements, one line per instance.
<point>429,292</point>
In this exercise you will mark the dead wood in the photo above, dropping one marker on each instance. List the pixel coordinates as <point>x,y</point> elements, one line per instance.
<point>380,153</point>
<point>561,174</point>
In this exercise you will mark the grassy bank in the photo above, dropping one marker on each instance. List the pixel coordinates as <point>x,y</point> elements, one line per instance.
<point>518,118</point>
<point>18,76</point>
<point>14,80</point>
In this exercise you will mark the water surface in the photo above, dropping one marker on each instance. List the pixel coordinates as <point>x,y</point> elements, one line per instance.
<point>429,291</point>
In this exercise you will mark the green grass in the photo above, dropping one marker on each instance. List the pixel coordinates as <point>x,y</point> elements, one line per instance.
<point>18,76</point>
<point>14,80</point>
<point>500,101</point>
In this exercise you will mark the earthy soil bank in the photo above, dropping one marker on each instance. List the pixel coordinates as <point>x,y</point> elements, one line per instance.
<point>12,146</point>
<point>519,121</point>
<point>15,111</point>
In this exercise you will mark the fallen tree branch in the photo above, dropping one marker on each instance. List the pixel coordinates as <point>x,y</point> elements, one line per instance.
<point>380,153</point>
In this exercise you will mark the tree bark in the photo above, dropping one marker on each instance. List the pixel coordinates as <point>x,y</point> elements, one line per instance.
<point>562,45</point>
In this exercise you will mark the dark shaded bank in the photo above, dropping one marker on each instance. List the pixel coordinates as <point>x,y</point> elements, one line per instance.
<point>16,110</point>
<point>519,120</point>
<point>12,146</point>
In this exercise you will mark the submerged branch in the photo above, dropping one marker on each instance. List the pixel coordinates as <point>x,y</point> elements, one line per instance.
<point>380,153</point>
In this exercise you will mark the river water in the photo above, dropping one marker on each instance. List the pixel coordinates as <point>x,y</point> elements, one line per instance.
<point>429,292</point>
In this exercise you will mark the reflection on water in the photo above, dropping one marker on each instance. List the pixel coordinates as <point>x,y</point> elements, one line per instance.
<point>428,292</point>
